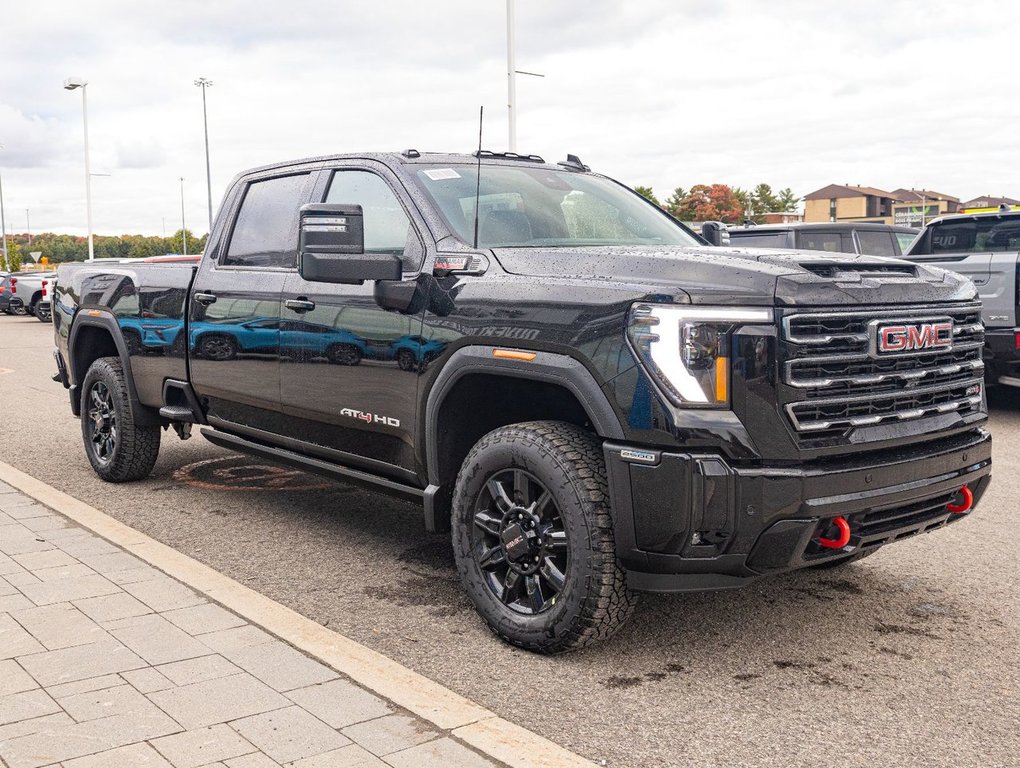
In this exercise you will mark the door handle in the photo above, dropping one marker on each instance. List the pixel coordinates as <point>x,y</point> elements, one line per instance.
<point>299,305</point>
<point>204,298</point>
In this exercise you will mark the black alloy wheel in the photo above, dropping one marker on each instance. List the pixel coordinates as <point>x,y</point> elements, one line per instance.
<point>519,541</point>
<point>532,531</point>
<point>101,422</point>
<point>118,449</point>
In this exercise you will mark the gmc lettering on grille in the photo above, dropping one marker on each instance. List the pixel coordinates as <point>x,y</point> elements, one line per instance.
<point>905,338</point>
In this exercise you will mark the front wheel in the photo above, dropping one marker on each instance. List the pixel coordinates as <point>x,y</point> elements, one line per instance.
<point>343,354</point>
<point>533,537</point>
<point>118,449</point>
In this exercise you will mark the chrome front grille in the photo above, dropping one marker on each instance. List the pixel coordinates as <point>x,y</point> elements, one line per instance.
<point>835,380</point>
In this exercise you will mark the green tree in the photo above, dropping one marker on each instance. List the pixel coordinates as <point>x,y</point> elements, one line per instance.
<point>787,201</point>
<point>13,255</point>
<point>646,192</point>
<point>675,201</point>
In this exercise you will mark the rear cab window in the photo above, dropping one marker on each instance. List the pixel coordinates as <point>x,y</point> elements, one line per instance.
<point>833,242</point>
<point>760,239</point>
<point>984,235</point>
<point>877,243</point>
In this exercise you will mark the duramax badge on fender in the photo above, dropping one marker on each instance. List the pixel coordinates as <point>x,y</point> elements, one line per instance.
<point>593,400</point>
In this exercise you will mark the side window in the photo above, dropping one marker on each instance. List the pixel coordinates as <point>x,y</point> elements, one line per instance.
<point>265,233</point>
<point>387,227</point>
<point>876,243</point>
<point>821,241</point>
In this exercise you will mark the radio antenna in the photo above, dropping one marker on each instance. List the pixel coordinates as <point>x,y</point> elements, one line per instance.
<point>478,174</point>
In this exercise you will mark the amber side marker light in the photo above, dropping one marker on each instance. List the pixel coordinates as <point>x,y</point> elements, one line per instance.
<point>722,365</point>
<point>511,354</point>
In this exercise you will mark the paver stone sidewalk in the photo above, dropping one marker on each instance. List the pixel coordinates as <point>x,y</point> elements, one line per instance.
<point>105,662</point>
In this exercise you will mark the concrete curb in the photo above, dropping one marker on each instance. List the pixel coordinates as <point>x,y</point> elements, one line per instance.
<point>472,724</point>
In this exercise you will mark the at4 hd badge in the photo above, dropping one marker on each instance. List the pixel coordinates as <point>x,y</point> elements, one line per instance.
<point>370,418</point>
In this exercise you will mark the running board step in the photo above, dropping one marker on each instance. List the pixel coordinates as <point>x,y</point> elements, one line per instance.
<point>178,413</point>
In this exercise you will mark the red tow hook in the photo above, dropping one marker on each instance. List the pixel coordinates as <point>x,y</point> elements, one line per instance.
<point>965,505</point>
<point>844,535</point>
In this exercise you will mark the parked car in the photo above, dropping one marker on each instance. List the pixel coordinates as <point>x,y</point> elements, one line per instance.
<point>31,293</point>
<point>618,407</point>
<point>984,247</point>
<point>835,237</point>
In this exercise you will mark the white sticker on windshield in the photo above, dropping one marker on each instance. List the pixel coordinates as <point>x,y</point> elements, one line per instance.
<point>438,174</point>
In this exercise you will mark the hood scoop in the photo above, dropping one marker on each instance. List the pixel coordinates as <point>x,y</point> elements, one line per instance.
<point>859,270</point>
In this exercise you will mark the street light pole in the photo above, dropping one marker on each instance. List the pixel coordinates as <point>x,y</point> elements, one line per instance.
<point>3,226</point>
<point>511,76</point>
<point>71,84</point>
<point>184,227</point>
<point>204,83</point>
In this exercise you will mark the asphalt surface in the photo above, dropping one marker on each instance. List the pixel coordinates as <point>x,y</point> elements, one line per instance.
<point>908,658</point>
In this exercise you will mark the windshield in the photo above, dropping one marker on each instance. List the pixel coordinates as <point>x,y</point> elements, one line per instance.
<point>538,207</point>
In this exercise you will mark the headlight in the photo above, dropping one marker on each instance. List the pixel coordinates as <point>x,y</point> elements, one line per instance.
<point>687,348</point>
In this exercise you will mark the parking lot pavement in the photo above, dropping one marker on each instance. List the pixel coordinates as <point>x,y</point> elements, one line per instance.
<point>106,661</point>
<point>909,658</point>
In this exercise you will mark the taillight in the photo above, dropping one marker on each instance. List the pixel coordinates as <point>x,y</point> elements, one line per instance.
<point>14,285</point>
<point>44,284</point>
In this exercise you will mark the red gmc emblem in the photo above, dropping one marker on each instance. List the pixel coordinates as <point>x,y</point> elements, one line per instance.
<point>906,338</point>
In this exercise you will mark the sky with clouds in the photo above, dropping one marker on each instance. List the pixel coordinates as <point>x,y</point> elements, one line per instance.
<point>665,93</point>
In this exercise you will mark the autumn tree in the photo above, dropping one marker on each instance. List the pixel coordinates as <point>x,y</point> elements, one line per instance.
<point>711,202</point>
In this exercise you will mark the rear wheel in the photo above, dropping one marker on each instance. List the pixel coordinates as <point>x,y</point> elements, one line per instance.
<point>42,314</point>
<point>118,449</point>
<point>406,360</point>
<point>533,538</point>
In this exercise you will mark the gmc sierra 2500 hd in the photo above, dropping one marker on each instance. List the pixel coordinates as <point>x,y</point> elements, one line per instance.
<point>598,402</point>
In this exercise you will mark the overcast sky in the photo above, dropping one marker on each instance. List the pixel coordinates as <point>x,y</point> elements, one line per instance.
<point>659,92</point>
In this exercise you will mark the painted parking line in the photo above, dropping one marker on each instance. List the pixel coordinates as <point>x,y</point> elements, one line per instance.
<point>482,729</point>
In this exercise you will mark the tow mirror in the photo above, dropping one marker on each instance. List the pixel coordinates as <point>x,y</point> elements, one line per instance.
<point>331,247</point>
<point>715,232</point>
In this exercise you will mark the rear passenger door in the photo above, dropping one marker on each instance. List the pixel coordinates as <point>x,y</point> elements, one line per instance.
<point>234,324</point>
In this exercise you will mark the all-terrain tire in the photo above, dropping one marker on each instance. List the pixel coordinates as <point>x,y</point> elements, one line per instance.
<point>594,601</point>
<point>135,448</point>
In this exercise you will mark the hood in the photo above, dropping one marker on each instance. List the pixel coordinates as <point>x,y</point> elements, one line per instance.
<point>762,276</point>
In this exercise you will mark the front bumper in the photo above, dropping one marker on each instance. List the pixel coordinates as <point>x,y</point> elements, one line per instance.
<point>687,522</point>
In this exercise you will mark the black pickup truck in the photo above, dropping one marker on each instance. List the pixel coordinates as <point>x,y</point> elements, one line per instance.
<point>597,401</point>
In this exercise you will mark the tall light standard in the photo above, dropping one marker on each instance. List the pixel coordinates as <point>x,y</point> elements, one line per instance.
<point>71,84</point>
<point>511,76</point>
<point>3,225</point>
<point>204,83</point>
<point>184,227</point>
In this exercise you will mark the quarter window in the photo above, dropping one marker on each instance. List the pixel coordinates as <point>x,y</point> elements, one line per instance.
<point>265,234</point>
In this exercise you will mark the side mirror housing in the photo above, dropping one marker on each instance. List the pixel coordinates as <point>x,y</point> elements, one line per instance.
<point>331,247</point>
<point>715,232</point>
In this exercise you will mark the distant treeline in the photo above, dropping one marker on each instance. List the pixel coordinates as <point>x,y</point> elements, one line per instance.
<point>61,248</point>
